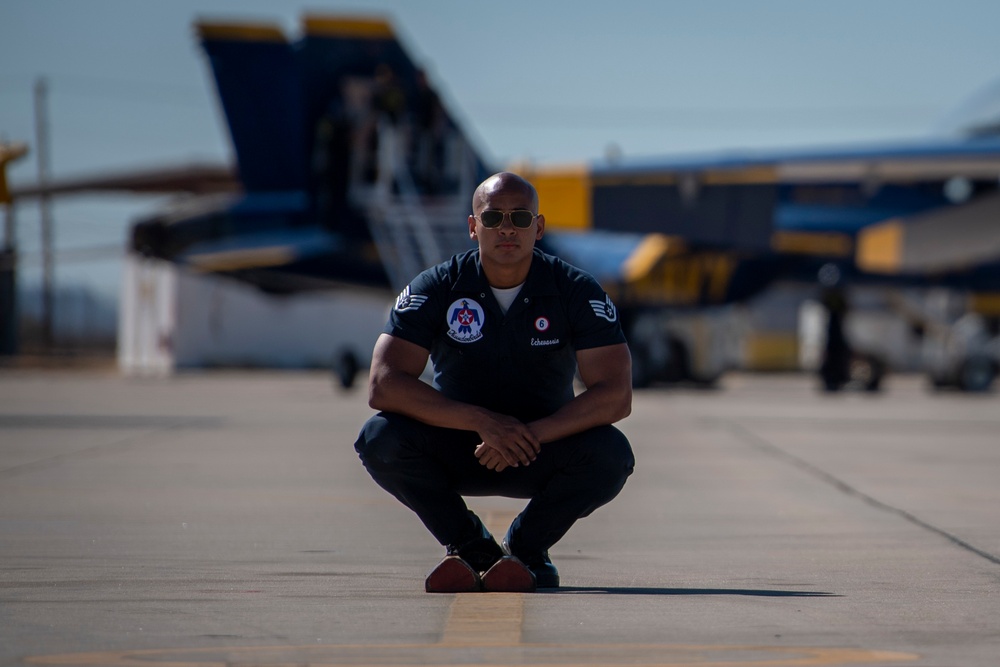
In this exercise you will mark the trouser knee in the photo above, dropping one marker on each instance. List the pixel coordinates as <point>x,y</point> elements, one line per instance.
<point>384,442</point>
<point>605,458</point>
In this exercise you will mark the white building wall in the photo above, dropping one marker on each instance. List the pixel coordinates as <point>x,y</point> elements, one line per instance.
<point>172,318</point>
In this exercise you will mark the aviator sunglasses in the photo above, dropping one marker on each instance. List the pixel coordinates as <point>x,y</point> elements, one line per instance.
<point>520,218</point>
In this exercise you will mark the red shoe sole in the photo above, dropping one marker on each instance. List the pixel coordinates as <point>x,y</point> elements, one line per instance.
<point>509,575</point>
<point>452,575</point>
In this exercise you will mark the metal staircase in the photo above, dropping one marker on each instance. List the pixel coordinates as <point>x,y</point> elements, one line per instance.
<point>411,231</point>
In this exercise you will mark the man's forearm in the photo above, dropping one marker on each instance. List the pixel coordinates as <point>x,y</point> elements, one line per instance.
<point>597,406</point>
<point>404,394</point>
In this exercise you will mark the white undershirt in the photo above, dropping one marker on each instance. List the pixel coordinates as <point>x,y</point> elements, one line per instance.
<point>505,297</point>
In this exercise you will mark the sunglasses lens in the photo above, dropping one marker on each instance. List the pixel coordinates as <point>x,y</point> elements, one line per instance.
<point>521,218</point>
<point>491,218</point>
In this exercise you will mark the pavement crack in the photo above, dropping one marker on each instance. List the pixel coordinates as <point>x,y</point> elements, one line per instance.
<point>763,445</point>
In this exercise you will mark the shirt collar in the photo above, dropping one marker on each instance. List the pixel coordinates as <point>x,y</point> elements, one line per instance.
<point>540,280</point>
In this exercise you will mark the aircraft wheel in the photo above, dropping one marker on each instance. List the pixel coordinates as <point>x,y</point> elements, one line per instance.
<point>977,374</point>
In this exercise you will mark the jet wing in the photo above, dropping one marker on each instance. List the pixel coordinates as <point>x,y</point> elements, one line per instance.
<point>192,178</point>
<point>940,241</point>
<point>654,270</point>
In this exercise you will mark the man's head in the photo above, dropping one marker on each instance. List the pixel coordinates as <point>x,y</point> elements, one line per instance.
<point>502,181</point>
<point>505,223</point>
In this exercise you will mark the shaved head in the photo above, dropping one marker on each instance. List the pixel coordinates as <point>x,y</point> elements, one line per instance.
<point>504,181</point>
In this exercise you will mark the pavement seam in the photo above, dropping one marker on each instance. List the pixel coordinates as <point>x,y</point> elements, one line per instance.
<point>761,444</point>
<point>125,441</point>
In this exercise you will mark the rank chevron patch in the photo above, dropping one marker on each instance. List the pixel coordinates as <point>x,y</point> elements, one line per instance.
<point>407,301</point>
<point>604,309</point>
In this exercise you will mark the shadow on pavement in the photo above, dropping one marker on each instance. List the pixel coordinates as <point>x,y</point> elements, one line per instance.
<point>646,590</point>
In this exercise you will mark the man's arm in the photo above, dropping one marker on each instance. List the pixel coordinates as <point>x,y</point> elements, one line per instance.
<point>607,375</point>
<point>394,386</point>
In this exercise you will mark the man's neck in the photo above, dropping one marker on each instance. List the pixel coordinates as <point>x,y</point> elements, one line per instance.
<point>505,277</point>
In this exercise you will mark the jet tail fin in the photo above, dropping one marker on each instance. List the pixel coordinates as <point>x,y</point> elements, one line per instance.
<point>258,84</point>
<point>289,104</point>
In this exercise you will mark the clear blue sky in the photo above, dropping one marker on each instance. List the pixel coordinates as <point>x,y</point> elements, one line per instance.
<point>551,82</point>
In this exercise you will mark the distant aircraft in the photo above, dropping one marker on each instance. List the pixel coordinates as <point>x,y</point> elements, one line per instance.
<point>352,172</point>
<point>714,229</point>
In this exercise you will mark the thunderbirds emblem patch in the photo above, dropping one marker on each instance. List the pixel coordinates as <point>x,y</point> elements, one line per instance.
<point>604,309</point>
<point>465,321</point>
<point>407,301</point>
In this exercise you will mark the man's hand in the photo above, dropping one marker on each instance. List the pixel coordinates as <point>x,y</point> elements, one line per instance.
<point>507,442</point>
<point>490,458</point>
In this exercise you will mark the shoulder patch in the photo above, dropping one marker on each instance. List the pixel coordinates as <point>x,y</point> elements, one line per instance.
<point>604,309</point>
<point>406,301</point>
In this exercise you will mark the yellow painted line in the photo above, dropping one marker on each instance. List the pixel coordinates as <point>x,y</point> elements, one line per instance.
<point>484,619</point>
<point>498,521</point>
<point>525,655</point>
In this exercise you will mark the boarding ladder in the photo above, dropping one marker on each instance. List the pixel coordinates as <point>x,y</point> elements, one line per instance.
<point>413,232</point>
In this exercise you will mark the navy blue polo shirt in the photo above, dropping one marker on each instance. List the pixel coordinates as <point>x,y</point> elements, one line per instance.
<point>521,363</point>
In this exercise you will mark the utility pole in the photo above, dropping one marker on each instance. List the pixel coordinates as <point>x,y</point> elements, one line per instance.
<point>45,208</point>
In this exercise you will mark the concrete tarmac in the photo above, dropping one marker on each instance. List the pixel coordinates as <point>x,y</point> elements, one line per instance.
<point>223,519</point>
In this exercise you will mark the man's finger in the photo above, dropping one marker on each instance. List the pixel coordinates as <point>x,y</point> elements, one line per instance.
<point>526,451</point>
<point>497,464</point>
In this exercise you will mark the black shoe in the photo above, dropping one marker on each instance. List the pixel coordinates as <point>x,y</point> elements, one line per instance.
<point>481,552</point>
<point>546,574</point>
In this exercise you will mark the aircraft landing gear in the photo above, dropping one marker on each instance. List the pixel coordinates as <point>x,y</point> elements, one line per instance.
<point>345,367</point>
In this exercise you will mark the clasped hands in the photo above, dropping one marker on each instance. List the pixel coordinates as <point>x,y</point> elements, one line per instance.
<point>507,443</point>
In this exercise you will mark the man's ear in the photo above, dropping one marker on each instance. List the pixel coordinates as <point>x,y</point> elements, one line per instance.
<point>540,232</point>
<point>472,227</point>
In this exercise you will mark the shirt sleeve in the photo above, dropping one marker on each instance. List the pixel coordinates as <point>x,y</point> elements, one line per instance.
<point>595,318</point>
<point>415,317</point>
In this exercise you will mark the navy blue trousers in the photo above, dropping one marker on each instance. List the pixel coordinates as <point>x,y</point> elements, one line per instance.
<point>429,469</point>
